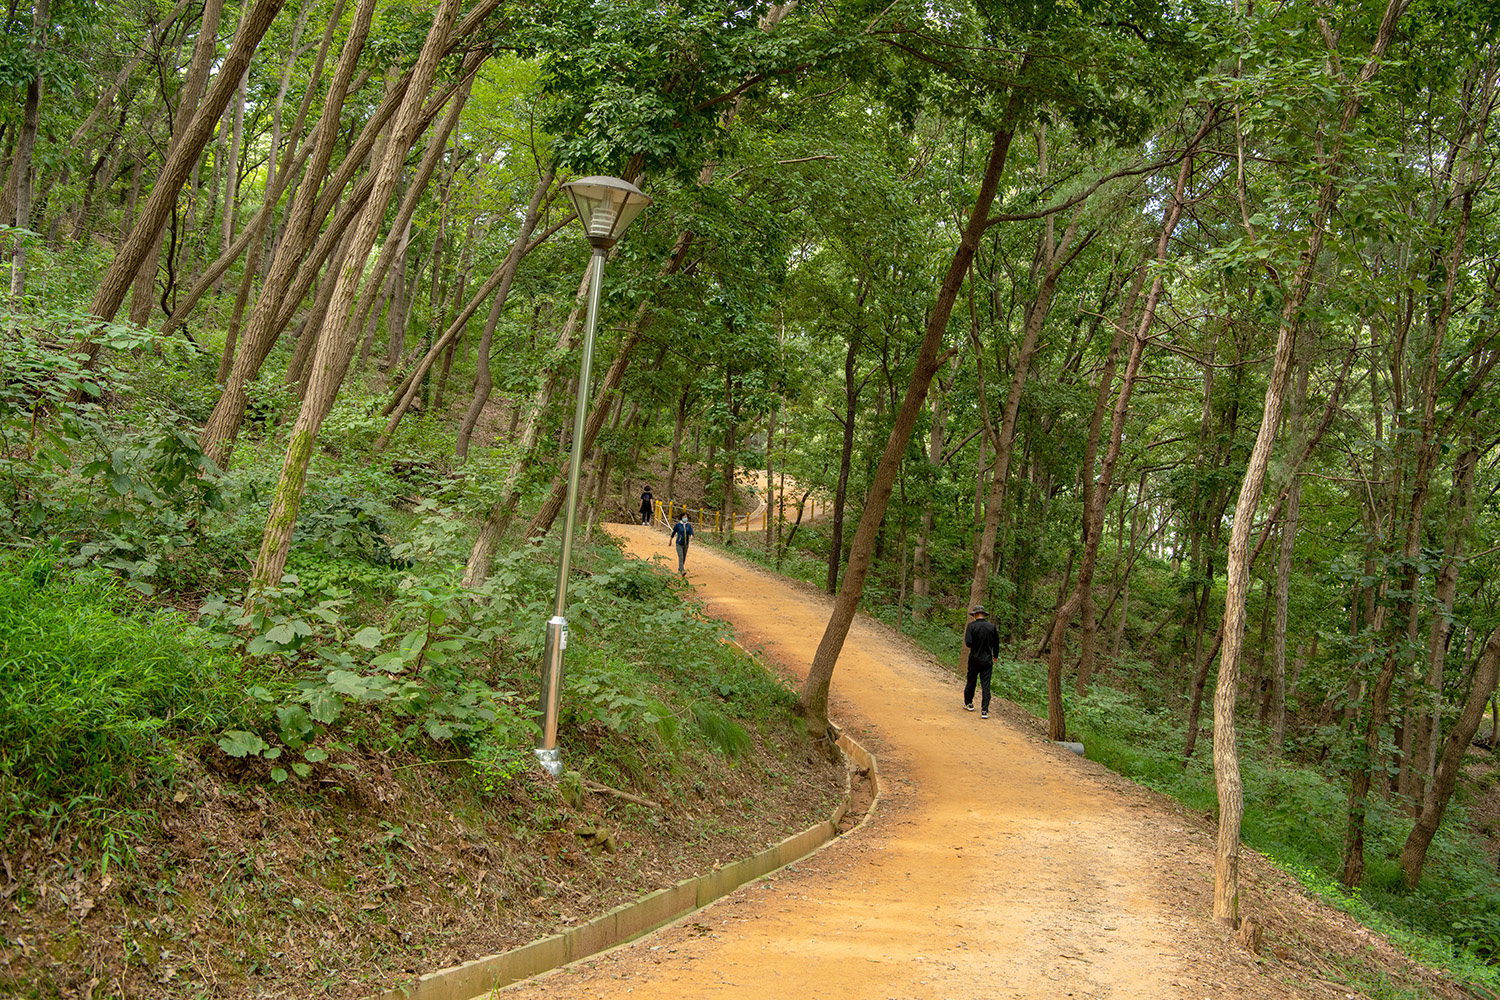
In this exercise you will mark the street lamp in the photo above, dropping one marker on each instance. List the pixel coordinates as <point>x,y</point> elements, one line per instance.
<point>606,206</point>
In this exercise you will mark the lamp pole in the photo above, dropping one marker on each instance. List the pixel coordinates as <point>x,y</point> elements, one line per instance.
<point>606,206</point>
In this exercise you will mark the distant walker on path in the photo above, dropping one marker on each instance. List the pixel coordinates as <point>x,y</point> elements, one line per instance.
<point>646,505</point>
<point>983,640</point>
<point>682,531</point>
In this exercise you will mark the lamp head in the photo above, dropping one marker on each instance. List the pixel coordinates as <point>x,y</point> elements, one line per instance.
<point>606,206</point>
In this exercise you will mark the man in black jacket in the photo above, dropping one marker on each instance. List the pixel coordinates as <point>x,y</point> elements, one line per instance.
<point>983,640</point>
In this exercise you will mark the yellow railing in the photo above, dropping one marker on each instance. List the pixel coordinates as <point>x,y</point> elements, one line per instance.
<point>667,511</point>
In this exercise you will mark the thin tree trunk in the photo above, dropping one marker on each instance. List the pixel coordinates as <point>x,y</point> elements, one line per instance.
<point>1097,491</point>
<point>1445,592</point>
<point>678,420</point>
<point>184,154</point>
<point>846,454</point>
<point>921,584</point>
<point>1053,257</point>
<point>1414,851</point>
<point>23,166</point>
<point>502,280</point>
<point>204,50</point>
<point>232,167</point>
<point>1237,571</point>
<point>482,556</point>
<point>1284,572</point>
<point>293,269</point>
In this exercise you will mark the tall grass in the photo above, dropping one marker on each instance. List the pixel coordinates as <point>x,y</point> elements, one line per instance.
<point>91,684</point>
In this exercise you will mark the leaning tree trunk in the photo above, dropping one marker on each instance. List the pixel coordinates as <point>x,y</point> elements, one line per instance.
<point>1052,258</point>
<point>204,50</point>
<point>1414,851</point>
<point>293,269</point>
<point>1097,491</point>
<point>482,379</point>
<point>277,178</point>
<point>186,147</point>
<point>335,346</point>
<point>812,701</point>
<point>498,283</point>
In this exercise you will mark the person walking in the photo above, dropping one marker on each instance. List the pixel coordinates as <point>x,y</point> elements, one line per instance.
<point>983,640</point>
<point>682,531</point>
<point>646,505</point>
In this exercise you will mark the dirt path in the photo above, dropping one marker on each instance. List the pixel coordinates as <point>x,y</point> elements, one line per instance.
<point>997,865</point>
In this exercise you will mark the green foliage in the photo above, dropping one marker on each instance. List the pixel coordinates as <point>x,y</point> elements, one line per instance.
<point>100,692</point>
<point>348,527</point>
<point>48,410</point>
<point>1295,815</point>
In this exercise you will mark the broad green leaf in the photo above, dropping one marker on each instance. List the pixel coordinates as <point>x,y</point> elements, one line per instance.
<point>368,637</point>
<point>238,743</point>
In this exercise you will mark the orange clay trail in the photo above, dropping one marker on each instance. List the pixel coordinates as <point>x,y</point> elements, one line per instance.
<point>996,865</point>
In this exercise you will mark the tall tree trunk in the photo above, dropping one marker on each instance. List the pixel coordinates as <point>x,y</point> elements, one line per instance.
<point>521,246</point>
<point>731,447</point>
<point>678,420</point>
<point>232,166</point>
<point>482,556</point>
<point>293,269</point>
<point>1284,571</point>
<point>204,50</point>
<point>1097,491</point>
<point>921,583</point>
<point>1052,258</point>
<point>1414,851</point>
<point>1237,571</point>
<point>277,178</point>
<point>23,166</point>
<point>846,456</point>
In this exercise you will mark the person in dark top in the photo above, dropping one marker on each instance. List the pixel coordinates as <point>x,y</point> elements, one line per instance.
<point>646,505</point>
<point>983,640</point>
<point>681,532</point>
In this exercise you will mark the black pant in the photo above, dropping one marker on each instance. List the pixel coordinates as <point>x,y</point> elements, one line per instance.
<point>979,670</point>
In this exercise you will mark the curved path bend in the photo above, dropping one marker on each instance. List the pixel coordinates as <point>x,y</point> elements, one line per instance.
<point>997,865</point>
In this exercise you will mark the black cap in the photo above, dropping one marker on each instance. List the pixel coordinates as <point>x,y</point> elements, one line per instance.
<point>979,611</point>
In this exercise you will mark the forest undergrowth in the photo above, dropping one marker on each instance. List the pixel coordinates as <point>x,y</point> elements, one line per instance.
<point>330,786</point>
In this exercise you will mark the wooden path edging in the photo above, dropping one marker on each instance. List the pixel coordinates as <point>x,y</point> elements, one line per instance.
<point>629,921</point>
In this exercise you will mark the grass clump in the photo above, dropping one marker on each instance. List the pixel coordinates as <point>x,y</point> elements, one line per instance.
<point>93,684</point>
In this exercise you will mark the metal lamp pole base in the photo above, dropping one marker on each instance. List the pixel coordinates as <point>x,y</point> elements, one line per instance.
<point>547,750</point>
